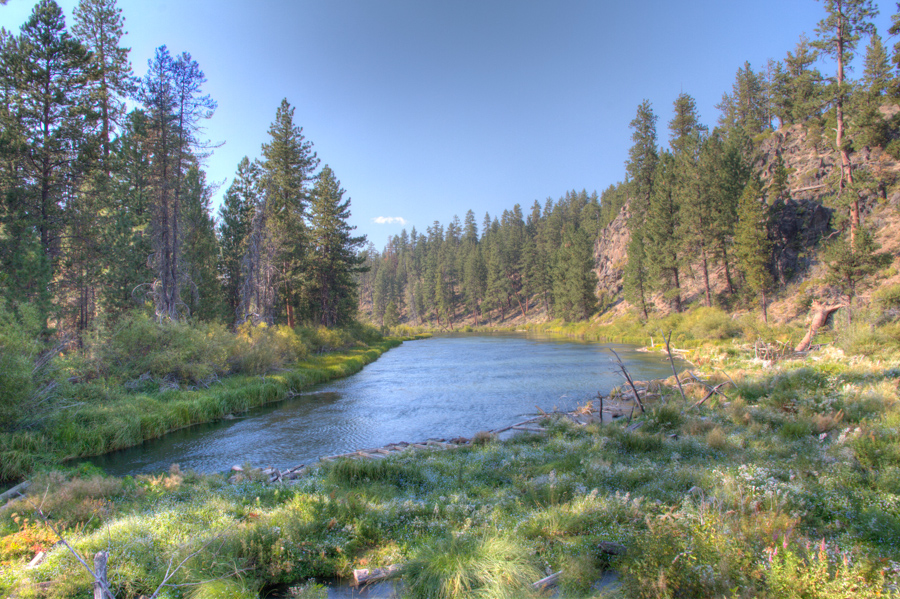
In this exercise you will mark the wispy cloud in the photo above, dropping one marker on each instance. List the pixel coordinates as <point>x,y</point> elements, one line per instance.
<point>389,220</point>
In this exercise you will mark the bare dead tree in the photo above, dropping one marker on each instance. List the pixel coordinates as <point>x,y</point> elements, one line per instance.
<point>672,362</point>
<point>624,371</point>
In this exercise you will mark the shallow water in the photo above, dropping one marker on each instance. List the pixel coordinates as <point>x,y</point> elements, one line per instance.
<point>442,387</point>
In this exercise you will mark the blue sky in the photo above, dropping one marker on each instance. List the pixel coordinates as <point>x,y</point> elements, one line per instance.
<point>426,109</point>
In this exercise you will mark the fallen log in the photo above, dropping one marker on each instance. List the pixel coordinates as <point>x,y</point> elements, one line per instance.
<point>530,429</point>
<point>547,582</point>
<point>820,314</point>
<point>366,576</point>
<point>16,491</point>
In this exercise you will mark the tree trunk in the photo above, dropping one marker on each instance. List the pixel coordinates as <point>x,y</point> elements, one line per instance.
<point>705,266</point>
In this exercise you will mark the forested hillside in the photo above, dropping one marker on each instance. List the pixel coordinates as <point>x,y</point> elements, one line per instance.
<point>798,170</point>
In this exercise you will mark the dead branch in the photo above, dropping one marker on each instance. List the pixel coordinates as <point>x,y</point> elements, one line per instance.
<point>624,371</point>
<point>712,391</point>
<point>672,362</point>
<point>170,572</point>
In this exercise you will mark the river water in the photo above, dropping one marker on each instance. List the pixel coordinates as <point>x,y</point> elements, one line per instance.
<point>442,387</point>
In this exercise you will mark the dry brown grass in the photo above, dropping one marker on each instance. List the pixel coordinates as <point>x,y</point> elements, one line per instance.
<point>72,501</point>
<point>717,439</point>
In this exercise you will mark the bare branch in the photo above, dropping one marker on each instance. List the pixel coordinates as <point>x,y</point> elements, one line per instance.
<point>621,365</point>
<point>672,362</point>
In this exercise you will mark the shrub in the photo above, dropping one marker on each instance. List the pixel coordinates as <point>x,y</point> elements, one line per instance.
<point>888,298</point>
<point>260,349</point>
<point>664,417</point>
<point>796,571</point>
<point>709,323</point>
<point>694,556</point>
<point>137,344</point>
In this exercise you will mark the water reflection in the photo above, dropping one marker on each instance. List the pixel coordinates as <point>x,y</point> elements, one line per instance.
<point>446,386</point>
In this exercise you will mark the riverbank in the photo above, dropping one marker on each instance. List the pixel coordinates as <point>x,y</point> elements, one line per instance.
<point>783,482</point>
<point>109,415</point>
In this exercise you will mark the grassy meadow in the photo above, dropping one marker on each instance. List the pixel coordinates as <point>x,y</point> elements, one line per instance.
<point>785,485</point>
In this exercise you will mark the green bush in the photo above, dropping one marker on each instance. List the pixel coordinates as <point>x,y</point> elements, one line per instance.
<point>709,323</point>
<point>260,349</point>
<point>138,344</point>
<point>888,298</point>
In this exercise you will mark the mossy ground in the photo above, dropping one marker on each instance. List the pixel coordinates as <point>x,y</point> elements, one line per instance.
<point>789,486</point>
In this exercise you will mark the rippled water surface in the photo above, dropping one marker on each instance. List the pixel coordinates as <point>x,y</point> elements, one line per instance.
<point>446,386</point>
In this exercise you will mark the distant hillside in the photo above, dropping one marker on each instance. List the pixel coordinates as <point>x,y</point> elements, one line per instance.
<point>798,224</point>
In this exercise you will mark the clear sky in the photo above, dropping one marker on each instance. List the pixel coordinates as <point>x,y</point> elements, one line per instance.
<point>425,109</point>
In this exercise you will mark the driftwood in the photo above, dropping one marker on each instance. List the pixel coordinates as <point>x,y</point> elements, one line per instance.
<point>545,583</point>
<point>16,491</point>
<point>366,576</point>
<point>820,314</point>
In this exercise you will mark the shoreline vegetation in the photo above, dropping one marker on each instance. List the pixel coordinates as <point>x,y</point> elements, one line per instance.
<point>145,380</point>
<point>784,482</point>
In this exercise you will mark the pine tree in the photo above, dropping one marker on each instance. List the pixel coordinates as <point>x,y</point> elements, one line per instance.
<point>171,94</point>
<point>333,260</point>
<point>752,245</point>
<point>872,128</point>
<point>235,223</point>
<point>838,35</point>
<point>288,164</point>
<point>851,264</point>
<point>877,77</point>
<point>125,280</point>
<point>695,207</point>
<point>804,82</point>
<point>100,26</point>
<point>641,165</point>
<point>663,260</point>
<point>747,105</point>
<point>574,281</point>
<point>203,295</point>
<point>46,77</point>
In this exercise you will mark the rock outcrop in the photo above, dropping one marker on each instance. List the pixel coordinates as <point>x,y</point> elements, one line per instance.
<point>610,255</point>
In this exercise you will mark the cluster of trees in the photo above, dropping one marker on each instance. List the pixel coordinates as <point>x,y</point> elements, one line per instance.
<point>516,264</point>
<point>103,209</point>
<point>698,205</point>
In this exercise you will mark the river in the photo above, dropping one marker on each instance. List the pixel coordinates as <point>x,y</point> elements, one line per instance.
<point>442,387</point>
